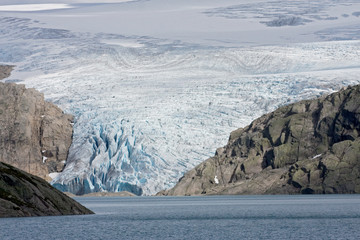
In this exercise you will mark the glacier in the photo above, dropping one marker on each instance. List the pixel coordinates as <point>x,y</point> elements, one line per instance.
<point>156,86</point>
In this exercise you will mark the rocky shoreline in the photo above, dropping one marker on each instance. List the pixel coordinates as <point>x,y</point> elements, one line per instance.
<point>106,194</point>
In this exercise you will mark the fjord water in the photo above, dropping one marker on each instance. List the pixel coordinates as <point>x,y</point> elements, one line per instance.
<point>214,217</point>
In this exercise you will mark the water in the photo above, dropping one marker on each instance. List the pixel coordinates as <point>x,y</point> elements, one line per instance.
<point>215,217</point>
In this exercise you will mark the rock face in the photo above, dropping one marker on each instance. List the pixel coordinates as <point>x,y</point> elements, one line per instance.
<point>22,194</point>
<point>311,146</point>
<point>5,71</point>
<point>35,135</point>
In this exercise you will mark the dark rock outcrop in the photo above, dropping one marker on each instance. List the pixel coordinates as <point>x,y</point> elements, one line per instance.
<point>35,135</point>
<point>22,194</point>
<point>308,147</point>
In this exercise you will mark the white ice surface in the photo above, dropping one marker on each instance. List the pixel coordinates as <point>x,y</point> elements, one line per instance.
<point>210,22</point>
<point>33,7</point>
<point>53,175</point>
<point>156,86</point>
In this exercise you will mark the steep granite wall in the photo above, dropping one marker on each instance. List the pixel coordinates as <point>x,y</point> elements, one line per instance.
<point>311,146</point>
<point>35,135</point>
<point>24,195</point>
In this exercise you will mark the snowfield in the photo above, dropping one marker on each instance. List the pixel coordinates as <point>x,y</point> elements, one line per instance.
<point>32,7</point>
<point>156,86</point>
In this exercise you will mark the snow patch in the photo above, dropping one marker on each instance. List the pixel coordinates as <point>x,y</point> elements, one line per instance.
<point>316,156</point>
<point>33,7</point>
<point>216,180</point>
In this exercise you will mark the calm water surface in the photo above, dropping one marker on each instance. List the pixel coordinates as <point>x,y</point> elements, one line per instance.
<point>216,217</point>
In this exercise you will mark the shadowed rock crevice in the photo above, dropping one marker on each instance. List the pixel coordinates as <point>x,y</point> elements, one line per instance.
<point>310,147</point>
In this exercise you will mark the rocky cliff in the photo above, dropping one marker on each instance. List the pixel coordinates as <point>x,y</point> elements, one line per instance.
<point>5,71</point>
<point>22,194</point>
<point>35,135</point>
<point>308,147</point>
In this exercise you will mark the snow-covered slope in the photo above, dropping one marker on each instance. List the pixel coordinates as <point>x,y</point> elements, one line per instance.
<point>157,85</point>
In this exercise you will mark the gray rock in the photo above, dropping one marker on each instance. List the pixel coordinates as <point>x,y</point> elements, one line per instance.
<point>5,71</point>
<point>311,146</point>
<point>35,135</point>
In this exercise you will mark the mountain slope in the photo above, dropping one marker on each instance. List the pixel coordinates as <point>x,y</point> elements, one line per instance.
<point>23,195</point>
<point>312,146</point>
<point>35,135</point>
